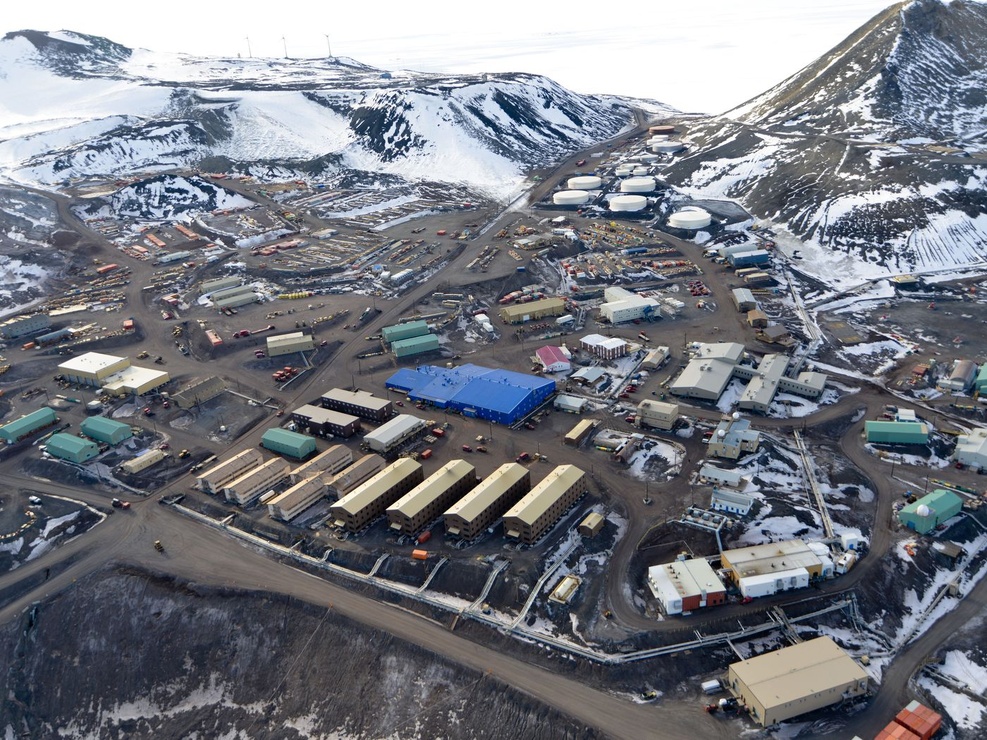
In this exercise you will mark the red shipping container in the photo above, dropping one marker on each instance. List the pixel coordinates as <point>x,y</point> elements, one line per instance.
<point>921,720</point>
<point>894,731</point>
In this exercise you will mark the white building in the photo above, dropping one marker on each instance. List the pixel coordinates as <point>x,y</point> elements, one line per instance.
<point>623,305</point>
<point>394,433</point>
<point>971,449</point>
<point>607,348</point>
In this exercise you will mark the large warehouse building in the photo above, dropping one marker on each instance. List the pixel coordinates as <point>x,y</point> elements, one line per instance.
<point>214,479</point>
<point>425,503</point>
<point>502,396</point>
<point>368,501</point>
<point>930,511</point>
<point>114,374</point>
<point>789,682</point>
<point>486,503</point>
<point>545,504</point>
<point>622,305</point>
<point>359,403</point>
<point>71,448</point>
<point>106,430</point>
<point>291,444</point>
<point>686,585</point>
<point>27,425</point>
<point>524,312</point>
<point>407,330</point>
<point>25,326</point>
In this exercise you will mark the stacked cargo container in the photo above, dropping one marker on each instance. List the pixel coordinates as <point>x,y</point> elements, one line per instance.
<point>920,720</point>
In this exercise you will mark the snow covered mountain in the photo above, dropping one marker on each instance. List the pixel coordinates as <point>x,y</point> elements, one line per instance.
<point>76,105</point>
<point>875,152</point>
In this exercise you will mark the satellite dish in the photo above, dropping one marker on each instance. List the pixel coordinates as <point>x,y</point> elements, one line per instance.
<point>923,510</point>
<point>222,429</point>
<point>736,415</point>
<point>721,433</point>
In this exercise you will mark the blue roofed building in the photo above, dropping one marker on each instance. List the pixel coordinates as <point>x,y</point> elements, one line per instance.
<point>502,396</point>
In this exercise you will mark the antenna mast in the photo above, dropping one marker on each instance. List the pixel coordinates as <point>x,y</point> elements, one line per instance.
<point>328,46</point>
<point>249,53</point>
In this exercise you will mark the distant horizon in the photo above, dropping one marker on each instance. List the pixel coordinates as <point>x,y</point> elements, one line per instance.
<point>705,58</point>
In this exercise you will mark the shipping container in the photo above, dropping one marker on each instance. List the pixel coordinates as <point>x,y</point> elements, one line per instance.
<point>424,537</point>
<point>106,268</point>
<point>419,554</point>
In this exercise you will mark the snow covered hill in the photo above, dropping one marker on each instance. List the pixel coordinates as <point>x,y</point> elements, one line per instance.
<point>875,152</point>
<point>76,106</point>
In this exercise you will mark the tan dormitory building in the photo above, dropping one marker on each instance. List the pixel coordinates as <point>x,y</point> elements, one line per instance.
<point>368,501</point>
<point>214,479</point>
<point>425,503</point>
<point>331,461</point>
<point>347,479</point>
<point>486,503</point>
<point>253,483</point>
<point>545,504</point>
<point>787,683</point>
<point>303,494</point>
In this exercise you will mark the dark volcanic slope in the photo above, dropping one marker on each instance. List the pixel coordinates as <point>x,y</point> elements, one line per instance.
<point>875,149</point>
<point>128,655</point>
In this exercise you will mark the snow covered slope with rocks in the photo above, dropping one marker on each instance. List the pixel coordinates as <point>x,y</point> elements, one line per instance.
<point>875,151</point>
<point>78,106</point>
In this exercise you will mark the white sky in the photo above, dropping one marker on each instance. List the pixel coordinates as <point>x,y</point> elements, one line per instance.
<point>701,55</point>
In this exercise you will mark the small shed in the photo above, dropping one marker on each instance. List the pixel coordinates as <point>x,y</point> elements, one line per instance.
<point>591,525</point>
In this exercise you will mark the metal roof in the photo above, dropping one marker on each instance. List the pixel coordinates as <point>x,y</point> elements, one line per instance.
<point>688,577</point>
<point>69,443</point>
<point>545,304</point>
<point>432,487</point>
<point>386,479</point>
<point>771,558</point>
<point>35,419</point>
<point>102,425</point>
<point>785,676</point>
<point>470,385</point>
<point>394,429</point>
<point>549,490</point>
<point>320,415</point>
<point>492,488</point>
<point>404,331</point>
<point>90,362</point>
<point>356,398</point>
<point>939,501</point>
<point>284,437</point>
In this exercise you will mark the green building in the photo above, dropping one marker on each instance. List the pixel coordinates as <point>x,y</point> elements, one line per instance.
<point>289,444</point>
<point>930,511</point>
<point>415,346</point>
<point>398,332</point>
<point>981,382</point>
<point>71,448</point>
<point>18,429</point>
<point>106,430</point>
<point>897,432</point>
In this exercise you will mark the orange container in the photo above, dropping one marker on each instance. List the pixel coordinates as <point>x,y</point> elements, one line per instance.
<point>419,554</point>
<point>894,731</point>
<point>921,720</point>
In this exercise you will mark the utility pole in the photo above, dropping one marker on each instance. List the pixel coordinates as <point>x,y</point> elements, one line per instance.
<point>249,52</point>
<point>328,46</point>
<point>285,43</point>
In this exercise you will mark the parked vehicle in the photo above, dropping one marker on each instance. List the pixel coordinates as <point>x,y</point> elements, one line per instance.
<point>523,457</point>
<point>467,448</point>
